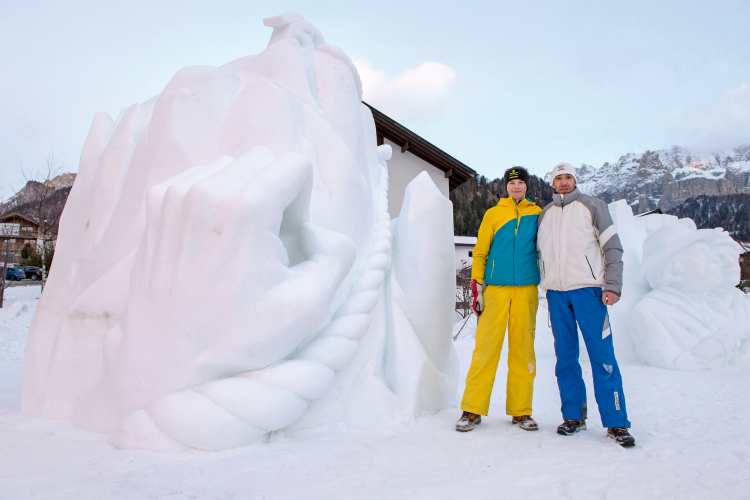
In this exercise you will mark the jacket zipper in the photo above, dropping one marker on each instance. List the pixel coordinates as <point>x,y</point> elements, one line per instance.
<point>559,244</point>
<point>515,240</point>
<point>590,268</point>
<point>493,269</point>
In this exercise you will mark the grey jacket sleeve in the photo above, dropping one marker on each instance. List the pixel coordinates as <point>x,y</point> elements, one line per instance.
<point>610,243</point>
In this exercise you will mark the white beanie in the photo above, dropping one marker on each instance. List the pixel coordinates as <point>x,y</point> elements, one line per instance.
<point>563,168</point>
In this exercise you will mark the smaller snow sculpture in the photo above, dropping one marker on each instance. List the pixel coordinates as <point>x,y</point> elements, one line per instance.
<point>693,318</point>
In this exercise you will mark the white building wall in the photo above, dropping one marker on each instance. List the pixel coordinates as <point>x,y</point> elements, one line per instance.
<point>402,169</point>
<point>464,246</point>
<point>462,253</point>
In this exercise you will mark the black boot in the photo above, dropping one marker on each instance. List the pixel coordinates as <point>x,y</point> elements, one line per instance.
<point>570,427</point>
<point>621,436</point>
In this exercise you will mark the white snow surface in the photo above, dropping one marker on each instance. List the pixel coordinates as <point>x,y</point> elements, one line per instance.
<point>692,431</point>
<point>15,317</point>
<point>226,266</point>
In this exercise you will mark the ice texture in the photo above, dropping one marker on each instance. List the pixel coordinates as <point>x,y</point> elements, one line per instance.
<point>225,264</point>
<point>680,308</point>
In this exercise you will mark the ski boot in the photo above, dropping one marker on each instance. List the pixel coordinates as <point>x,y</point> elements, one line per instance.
<point>621,436</point>
<point>467,421</point>
<point>526,423</point>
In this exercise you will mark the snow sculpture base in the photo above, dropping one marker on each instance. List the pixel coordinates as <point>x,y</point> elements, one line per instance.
<point>225,265</point>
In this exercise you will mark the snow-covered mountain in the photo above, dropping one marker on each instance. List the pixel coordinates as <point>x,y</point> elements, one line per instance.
<point>33,190</point>
<point>666,178</point>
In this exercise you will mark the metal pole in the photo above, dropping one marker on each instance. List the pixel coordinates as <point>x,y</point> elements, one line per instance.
<point>462,326</point>
<point>5,270</point>
<point>44,262</point>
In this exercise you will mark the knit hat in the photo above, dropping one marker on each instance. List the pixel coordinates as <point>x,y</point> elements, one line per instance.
<point>516,173</point>
<point>563,168</point>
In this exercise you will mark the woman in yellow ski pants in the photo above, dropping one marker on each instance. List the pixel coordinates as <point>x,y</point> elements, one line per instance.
<point>505,275</point>
<point>514,307</point>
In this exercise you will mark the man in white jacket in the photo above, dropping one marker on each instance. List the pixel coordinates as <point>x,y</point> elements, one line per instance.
<point>580,258</point>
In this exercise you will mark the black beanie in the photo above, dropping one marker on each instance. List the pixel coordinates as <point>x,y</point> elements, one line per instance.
<point>516,173</point>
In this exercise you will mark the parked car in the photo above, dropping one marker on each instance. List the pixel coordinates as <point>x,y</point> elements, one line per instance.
<point>30,272</point>
<point>13,274</point>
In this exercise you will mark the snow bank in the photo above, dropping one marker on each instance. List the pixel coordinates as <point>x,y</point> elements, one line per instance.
<point>225,262</point>
<point>680,308</point>
<point>15,317</point>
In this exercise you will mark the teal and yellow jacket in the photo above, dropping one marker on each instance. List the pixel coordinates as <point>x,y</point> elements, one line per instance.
<point>505,253</point>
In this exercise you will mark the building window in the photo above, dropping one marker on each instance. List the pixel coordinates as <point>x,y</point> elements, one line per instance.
<point>12,240</point>
<point>28,228</point>
<point>471,253</point>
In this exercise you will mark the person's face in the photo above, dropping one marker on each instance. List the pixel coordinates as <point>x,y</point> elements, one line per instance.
<point>517,189</point>
<point>701,268</point>
<point>564,183</point>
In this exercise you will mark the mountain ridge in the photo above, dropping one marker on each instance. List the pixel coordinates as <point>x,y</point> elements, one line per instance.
<point>666,178</point>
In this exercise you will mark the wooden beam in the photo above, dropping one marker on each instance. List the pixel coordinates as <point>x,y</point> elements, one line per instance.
<point>449,173</point>
<point>405,147</point>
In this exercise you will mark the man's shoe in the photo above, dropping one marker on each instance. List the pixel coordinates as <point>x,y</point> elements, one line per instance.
<point>526,423</point>
<point>467,421</point>
<point>621,436</point>
<point>570,427</point>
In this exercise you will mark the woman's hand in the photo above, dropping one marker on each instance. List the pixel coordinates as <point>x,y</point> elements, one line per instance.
<point>477,305</point>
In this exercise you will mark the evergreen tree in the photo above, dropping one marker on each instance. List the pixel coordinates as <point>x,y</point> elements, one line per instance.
<point>731,212</point>
<point>472,199</point>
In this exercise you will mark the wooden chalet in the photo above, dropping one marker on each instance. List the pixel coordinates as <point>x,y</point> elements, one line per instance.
<point>17,230</point>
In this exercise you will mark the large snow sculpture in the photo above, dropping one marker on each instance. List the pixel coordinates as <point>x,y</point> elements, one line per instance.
<point>226,250</point>
<point>680,307</point>
<point>678,324</point>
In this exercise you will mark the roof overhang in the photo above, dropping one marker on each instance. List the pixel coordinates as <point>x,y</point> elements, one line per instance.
<point>456,172</point>
<point>10,215</point>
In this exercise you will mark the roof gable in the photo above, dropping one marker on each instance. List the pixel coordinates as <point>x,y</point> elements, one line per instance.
<point>456,172</point>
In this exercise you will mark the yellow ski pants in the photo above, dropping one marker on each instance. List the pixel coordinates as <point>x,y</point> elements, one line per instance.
<point>514,307</point>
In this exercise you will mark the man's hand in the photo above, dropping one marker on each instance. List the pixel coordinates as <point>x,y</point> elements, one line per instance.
<point>477,305</point>
<point>610,298</point>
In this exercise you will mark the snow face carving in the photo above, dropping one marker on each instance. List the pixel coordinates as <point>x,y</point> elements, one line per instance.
<point>693,318</point>
<point>224,264</point>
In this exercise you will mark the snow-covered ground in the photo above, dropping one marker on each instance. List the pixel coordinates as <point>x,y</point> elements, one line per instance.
<point>692,431</point>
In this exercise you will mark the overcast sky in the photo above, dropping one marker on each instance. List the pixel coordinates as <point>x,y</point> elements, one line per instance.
<point>494,83</point>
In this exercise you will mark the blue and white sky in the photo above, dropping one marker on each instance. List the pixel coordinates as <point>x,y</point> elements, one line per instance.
<point>494,84</point>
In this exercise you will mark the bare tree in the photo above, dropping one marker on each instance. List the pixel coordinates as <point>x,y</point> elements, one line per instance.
<point>463,290</point>
<point>43,207</point>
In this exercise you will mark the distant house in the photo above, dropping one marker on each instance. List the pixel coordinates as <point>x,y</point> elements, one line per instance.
<point>464,250</point>
<point>17,230</point>
<point>413,155</point>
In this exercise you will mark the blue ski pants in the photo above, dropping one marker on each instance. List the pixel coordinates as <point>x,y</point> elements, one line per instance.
<point>584,306</point>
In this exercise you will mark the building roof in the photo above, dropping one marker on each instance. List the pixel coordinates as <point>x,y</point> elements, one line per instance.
<point>11,215</point>
<point>657,211</point>
<point>456,172</point>
<point>465,241</point>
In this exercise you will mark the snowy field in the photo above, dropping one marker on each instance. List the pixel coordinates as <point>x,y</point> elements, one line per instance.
<point>692,432</point>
